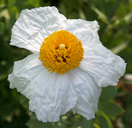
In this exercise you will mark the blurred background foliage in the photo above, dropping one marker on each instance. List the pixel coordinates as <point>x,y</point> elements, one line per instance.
<point>115,20</point>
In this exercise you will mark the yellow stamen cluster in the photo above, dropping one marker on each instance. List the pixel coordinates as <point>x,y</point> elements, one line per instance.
<point>61,52</point>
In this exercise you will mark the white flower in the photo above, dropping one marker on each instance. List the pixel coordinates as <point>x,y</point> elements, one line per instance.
<point>80,68</point>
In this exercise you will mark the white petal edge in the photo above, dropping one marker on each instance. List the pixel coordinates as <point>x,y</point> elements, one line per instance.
<point>54,96</point>
<point>87,92</point>
<point>104,66</point>
<point>34,25</point>
<point>24,72</point>
<point>83,30</point>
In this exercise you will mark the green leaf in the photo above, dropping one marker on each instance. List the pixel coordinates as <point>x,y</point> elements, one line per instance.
<point>108,93</point>
<point>102,120</point>
<point>110,109</point>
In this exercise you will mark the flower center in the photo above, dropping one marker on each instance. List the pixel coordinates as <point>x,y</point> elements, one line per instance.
<point>61,52</point>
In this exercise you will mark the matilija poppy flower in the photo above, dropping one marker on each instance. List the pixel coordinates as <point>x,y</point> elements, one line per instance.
<point>68,67</point>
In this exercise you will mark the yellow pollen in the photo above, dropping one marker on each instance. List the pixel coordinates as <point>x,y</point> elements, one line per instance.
<point>61,52</point>
<point>62,46</point>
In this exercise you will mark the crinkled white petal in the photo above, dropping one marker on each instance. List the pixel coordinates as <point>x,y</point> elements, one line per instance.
<point>50,95</point>
<point>53,96</point>
<point>34,25</point>
<point>83,30</point>
<point>87,92</point>
<point>24,72</point>
<point>104,66</point>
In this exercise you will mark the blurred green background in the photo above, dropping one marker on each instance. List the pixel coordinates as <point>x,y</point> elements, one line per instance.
<point>115,20</point>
